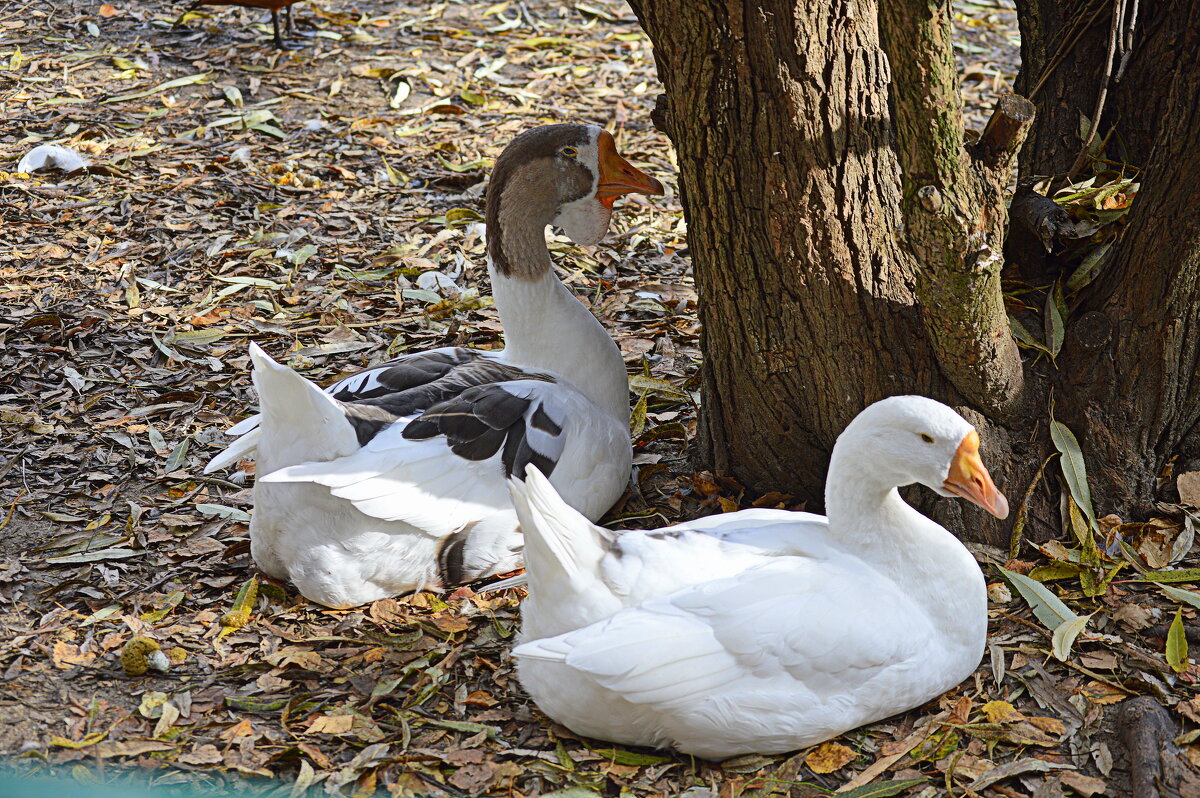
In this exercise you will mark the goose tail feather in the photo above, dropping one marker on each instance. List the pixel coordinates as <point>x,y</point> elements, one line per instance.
<point>558,539</point>
<point>297,420</point>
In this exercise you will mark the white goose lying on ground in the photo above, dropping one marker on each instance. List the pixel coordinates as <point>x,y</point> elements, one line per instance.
<point>883,611</point>
<point>393,479</point>
<point>578,573</point>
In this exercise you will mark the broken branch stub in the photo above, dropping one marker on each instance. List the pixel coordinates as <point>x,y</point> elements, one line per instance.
<point>1005,132</point>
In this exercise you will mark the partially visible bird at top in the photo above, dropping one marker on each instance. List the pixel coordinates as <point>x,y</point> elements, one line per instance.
<point>273,6</point>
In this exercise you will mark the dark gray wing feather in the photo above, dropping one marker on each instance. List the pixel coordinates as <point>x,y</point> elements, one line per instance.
<point>377,397</point>
<point>487,419</point>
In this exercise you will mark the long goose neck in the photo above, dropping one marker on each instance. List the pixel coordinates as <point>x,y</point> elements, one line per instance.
<point>547,328</point>
<point>869,518</point>
<point>861,504</point>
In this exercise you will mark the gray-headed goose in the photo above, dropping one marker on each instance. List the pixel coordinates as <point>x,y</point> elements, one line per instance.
<point>394,479</point>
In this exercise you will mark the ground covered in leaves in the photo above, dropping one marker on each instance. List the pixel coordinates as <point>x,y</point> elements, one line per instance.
<point>326,203</point>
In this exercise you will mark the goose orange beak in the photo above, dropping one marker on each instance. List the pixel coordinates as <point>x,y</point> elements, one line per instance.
<point>969,478</point>
<point>618,176</point>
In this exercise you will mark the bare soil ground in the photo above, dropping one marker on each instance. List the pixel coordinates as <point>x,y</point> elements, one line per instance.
<point>303,200</point>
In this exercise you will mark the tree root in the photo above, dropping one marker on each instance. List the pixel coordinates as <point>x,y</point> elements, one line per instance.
<point>1157,767</point>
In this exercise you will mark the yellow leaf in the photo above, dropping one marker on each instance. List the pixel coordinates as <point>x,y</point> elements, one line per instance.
<point>829,757</point>
<point>1049,725</point>
<point>67,655</point>
<point>242,728</point>
<point>90,739</point>
<point>1177,647</point>
<point>450,623</point>
<point>300,656</point>
<point>1101,693</point>
<point>331,724</point>
<point>243,605</point>
<point>152,704</point>
<point>1000,712</point>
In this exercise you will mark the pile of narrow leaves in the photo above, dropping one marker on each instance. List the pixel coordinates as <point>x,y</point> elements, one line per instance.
<point>326,203</point>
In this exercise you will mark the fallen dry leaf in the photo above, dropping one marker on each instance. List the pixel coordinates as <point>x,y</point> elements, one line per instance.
<point>1000,712</point>
<point>206,754</point>
<point>331,724</point>
<point>1048,725</point>
<point>68,655</point>
<point>1103,694</point>
<point>475,778</point>
<point>829,757</point>
<point>1084,785</point>
<point>1188,484</point>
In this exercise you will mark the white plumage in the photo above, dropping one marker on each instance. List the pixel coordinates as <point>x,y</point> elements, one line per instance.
<point>394,479</point>
<point>821,626</point>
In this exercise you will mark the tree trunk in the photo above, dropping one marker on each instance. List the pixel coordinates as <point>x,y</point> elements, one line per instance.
<point>1064,56</point>
<point>1129,379</point>
<point>778,111</point>
<point>829,280</point>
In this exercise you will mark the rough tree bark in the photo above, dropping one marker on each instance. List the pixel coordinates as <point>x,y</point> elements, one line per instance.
<point>1129,379</point>
<point>779,114</point>
<point>845,246</point>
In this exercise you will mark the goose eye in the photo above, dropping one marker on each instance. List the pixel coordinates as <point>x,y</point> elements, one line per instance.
<point>926,438</point>
<point>568,152</point>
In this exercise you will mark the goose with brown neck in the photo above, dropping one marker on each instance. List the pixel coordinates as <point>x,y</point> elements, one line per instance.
<point>394,479</point>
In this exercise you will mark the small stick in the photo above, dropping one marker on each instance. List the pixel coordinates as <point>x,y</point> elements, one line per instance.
<point>1118,15</point>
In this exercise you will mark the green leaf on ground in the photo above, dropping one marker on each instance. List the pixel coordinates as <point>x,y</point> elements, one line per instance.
<point>1179,594</point>
<point>882,789</point>
<point>1056,319</point>
<point>1073,468</point>
<point>1176,575</point>
<point>1048,607</point>
<point>1177,645</point>
<point>1064,636</point>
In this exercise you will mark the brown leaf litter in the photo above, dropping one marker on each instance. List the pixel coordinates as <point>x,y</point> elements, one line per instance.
<point>303,200</point>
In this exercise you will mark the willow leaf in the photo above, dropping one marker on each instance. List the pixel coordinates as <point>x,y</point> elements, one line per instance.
<point>1179,594</point>
<point>1178,575</point>
<point>1177,646</point>
<point>1056,319</point>
<point>1065,634</point>
<point>1073,468</point>
<point>882,789</point>
<point>1048,607</point>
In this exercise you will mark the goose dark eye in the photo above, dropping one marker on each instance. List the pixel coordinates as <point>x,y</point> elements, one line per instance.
<point>568,152</point>
<point>926,438</point>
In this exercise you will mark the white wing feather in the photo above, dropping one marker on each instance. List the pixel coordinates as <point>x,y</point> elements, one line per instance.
<point>423,482</point>
<point>742,634</point>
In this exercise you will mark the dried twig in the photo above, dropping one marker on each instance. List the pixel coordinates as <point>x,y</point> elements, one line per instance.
<point>1114,29</point>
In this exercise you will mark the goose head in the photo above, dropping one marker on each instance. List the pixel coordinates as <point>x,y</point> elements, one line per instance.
<point>566,175</point>
<point>907,439</point>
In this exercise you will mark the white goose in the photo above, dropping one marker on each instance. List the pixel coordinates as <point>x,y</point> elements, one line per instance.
<point>393,480</point>
<point>839,622</point>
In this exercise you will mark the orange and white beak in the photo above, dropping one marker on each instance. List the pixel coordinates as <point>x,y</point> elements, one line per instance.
<point>969,478</point>
<point>618,176</point>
